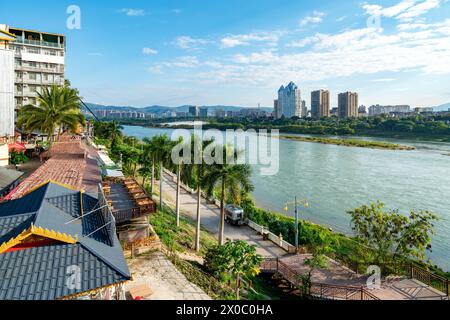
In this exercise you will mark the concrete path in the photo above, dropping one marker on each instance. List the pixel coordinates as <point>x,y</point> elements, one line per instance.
<point>210,218</point>
<point>162,277</point>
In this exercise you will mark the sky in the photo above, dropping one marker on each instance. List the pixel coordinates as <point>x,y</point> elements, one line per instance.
<point>234,52</point>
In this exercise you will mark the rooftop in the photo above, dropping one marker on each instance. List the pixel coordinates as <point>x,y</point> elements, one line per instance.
<point>49,231</point>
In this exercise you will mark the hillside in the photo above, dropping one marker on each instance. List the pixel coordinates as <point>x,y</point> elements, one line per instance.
<point>161,109</point>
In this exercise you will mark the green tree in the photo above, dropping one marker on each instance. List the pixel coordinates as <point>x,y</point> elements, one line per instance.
<point>194,175</point>
<point>320,247</point>
<point>162,150</point>
<point>16,158</point>
<point>59,107</point>
<point>234,260</point>
<point>391,234</point>
<point>231,178</point>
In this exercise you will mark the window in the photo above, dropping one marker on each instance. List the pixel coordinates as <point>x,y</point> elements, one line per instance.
<point>32,64</point>
<point>32,76</point>
<point>45,77</point>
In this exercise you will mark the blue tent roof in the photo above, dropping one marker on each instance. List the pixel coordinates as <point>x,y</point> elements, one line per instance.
<point>97,252</point>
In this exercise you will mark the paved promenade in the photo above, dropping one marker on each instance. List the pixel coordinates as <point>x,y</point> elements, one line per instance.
<point>210,217</point>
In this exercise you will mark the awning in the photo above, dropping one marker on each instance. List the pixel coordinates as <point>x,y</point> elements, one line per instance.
<point>110,173</point>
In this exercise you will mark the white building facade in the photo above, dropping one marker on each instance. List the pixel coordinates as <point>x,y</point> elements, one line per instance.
<point>39,60</point>
<point>289,101</point>
<point>6,86</point>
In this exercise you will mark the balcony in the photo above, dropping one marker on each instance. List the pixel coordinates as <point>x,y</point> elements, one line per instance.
<point>20,40</point>
<point>58,70</point>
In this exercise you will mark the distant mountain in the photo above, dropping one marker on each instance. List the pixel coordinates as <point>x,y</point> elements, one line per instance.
<point>162,109</point>
<point>442,107</point>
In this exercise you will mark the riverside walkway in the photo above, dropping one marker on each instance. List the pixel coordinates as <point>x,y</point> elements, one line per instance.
<point>335,275</point>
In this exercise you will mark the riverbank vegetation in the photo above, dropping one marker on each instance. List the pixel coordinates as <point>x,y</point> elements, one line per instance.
<point>350,142</point>
<point>424,127</point>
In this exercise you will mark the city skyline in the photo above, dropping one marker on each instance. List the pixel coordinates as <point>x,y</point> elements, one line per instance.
<point>203,59</point>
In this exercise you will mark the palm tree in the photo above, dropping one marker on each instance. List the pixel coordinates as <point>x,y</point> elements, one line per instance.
<point>195,171</point>
<point>232,179</point>
<point>179,169</point>
<point>58,107</point>
<point>161,149</point>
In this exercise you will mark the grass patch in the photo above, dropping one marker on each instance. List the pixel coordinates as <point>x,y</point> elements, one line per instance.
<point>350,143</point>
<point>180,239</point>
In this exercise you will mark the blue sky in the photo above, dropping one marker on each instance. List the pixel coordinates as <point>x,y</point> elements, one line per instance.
<point>232,52</point>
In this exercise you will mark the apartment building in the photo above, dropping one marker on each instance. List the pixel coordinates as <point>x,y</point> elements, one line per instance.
<point>39,60</point>
<point>380,110</point>
<point>6,87</point>
<point>320,104</point>
<point>348,105</point>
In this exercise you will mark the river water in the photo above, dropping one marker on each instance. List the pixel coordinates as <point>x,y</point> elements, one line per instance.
<point>336,179</point>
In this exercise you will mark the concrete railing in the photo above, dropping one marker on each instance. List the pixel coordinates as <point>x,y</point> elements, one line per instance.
<point>272,237</point>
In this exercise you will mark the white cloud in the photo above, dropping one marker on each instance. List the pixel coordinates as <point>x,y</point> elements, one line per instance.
<point>187,42</point>
<point>149,51</point>
<point>132,12</point>
<point>406,10</point>
<point>315,18</point>
<point>351,52</point>
<point>232,41</point>
<point>419,9</point>
<point>183,62</point>
<point>384,80</point>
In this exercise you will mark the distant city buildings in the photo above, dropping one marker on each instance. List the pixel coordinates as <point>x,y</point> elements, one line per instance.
<point>194,111</point>
<point>377,110</point>
<point>423,110</point>
<point>289,101</point>
<point>220,113</point>
<point>348,105</point>
<point>304,109</point>
<point>203,112</point>
<point>362,111</point>
<point>115,114</point>
<point>320,104</point>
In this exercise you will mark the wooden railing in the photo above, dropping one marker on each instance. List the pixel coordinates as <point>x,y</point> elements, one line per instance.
<point>338,292</point>
<point>127,214</point>
<point>437,282</point>
<point>318,290</point>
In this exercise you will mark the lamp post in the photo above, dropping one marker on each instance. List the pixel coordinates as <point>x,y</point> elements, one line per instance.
<point>296,203</point>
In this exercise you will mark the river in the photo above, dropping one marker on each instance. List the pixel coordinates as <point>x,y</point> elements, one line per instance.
<point>336,179</point>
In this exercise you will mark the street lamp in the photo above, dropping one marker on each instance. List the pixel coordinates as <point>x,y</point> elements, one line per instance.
<point>296,203</point>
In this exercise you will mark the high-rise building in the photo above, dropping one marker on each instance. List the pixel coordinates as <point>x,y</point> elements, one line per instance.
<point>320,104</point>
<point>194,111</point>
<point>289,101</point>
<point>39,62</point>
<point>304,109</point>
<point>203,112</point>
<point>6,86</point>
<point>220,113</point>
<point>348,105</point>
<point>276,110</point>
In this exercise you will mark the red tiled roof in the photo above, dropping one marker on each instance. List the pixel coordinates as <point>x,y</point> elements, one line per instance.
<point>66,166</point>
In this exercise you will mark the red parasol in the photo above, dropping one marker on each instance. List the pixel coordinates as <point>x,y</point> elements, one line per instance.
<point>17,147</point>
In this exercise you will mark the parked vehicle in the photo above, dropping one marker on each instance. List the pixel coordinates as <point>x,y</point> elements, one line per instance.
<point>234,215</point>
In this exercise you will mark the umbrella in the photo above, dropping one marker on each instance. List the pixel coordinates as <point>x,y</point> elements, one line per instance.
<point>17,147</point>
